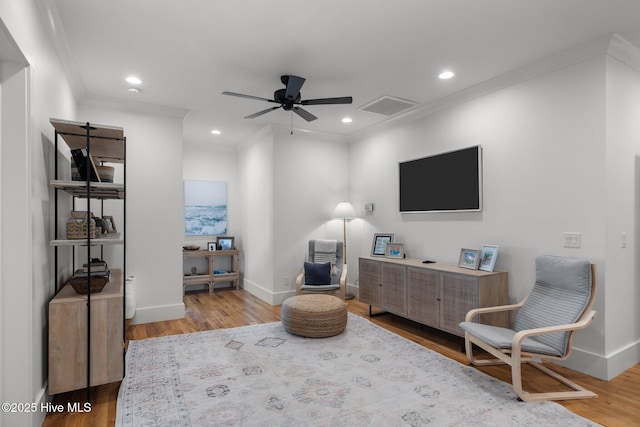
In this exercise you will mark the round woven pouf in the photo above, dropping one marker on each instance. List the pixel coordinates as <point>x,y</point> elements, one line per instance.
<point>314,316</point>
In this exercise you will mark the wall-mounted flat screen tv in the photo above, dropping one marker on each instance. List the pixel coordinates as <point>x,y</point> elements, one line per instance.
<point>446,182</point>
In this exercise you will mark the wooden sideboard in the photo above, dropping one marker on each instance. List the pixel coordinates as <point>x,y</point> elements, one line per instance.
<point>210,277</point>
<point>436,295</point>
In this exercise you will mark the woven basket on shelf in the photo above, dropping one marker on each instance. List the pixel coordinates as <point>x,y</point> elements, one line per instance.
<point>81,284</point>
<point>77,228</point>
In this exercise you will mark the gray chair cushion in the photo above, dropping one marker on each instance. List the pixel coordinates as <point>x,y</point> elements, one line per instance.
<point>559,296</point>
<point>502,338</point>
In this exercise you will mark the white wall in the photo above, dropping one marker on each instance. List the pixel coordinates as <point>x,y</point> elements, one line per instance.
<point>289,186</point>
<point>311,176</point>
<point>214,162</point>
<point>154,203</point>
<point>42,92</point>
<point>560,154</point>
<point>543,157</point>
<point>255,179</point>
<point>622,305</point>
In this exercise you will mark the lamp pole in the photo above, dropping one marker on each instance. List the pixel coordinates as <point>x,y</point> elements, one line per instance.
<point>344,211</point>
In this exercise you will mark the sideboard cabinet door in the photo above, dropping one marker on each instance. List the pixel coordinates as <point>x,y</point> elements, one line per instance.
<point>423,296</point>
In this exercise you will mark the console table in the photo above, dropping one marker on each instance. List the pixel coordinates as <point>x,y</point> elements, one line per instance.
<point>210,277</point>
<point>436,295</point>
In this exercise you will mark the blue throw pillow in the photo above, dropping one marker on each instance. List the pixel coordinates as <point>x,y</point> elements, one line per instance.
<point>317,274</point>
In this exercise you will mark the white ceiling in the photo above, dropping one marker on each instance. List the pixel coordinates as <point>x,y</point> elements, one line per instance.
<point>188,51</point>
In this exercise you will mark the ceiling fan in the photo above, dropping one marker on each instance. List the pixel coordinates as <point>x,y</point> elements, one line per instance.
<point>290,97</point>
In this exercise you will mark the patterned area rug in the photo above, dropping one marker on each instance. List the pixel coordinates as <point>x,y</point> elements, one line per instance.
<point>262,376</point>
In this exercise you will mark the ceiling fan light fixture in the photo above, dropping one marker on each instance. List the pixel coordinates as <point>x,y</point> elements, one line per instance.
<point>215,132</point>
<point>347,120</point>
<point>446,75</point>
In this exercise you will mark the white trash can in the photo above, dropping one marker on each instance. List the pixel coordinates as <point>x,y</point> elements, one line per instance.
<point>130,297</point>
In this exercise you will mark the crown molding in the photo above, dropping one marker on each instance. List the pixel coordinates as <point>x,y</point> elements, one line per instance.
<point>609,44</point>
<point>624,51</point>
<point>133,107</point>
<point>51,18</point>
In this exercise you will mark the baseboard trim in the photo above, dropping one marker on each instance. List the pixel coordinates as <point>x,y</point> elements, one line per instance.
<point>42,398</point>
<point>266,295</point>
<point>158,314</point>
<point>603,367</point>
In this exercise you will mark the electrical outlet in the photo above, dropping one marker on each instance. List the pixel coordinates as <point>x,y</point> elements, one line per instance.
<point>572,239</point>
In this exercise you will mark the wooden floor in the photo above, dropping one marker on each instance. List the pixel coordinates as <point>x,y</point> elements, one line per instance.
<point>618,403</point>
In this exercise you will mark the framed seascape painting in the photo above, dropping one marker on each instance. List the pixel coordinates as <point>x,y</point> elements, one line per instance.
<point>205,208</point>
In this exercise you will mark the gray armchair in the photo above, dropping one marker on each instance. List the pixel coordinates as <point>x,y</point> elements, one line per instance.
<point>559,304</point>
<point>317,276</point>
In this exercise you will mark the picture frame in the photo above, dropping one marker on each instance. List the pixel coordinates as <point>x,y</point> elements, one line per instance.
<point>110,223</point>
<point>394,250</point>
<point>379,244</point>
<point>205,208</point>
<point>488,257</point>
<point>212,246</point>
<point>469,258</point>
<point>225,243</point>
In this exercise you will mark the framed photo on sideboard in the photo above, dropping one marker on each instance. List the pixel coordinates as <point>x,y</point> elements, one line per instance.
<point>379,245</point>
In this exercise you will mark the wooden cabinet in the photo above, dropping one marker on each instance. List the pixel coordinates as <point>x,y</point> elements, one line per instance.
<point>68,337</point>
<point>212,276</point>
<point>384,285</point>
<point>436,295</point>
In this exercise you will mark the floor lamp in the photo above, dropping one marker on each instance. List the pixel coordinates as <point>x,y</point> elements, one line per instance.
<point>344,211</point>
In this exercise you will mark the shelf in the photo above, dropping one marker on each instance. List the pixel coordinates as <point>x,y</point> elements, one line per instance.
<point>99,190</point>
<point>87,332</point>
<point>210,278</point>
<point>114,239</point>
<point>107,142</point>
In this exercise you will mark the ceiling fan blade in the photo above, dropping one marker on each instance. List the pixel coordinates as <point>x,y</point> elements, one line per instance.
<point>259,113</point>
<point>304,114</point>
<point>247,96</point>
<point>321,101</point>
<point>294,84</point>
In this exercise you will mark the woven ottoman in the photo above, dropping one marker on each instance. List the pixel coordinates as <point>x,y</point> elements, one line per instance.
<point>314,316</point>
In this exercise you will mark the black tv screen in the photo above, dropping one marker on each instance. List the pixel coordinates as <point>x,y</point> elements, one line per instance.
<point>446,182</point>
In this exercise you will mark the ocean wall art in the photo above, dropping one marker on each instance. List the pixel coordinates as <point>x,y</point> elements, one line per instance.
<point>205,208</point>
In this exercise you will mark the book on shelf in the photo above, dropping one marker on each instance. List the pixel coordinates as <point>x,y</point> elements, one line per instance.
<point>96,265</point>
<point>82,273</point>
<point>80,159</point>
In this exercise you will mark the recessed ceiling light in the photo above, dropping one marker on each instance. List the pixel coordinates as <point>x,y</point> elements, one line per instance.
<point>445,75</point>
<point>133,80</point>
<point>347,120</point>
<point>216,132</point>
<point>133,90</point>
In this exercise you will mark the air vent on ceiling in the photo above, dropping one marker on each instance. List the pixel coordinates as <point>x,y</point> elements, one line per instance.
<point>388,105</point>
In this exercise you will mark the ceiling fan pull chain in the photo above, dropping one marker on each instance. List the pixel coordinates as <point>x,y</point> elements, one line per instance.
<point>291,114</point>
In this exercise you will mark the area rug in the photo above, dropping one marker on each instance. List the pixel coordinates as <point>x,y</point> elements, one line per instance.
<point>261,375</point>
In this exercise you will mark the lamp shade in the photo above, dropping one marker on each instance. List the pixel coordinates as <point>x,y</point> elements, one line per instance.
<point>344,210</point>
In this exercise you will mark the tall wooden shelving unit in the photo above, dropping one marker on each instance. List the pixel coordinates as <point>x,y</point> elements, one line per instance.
<point>85,347</point>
